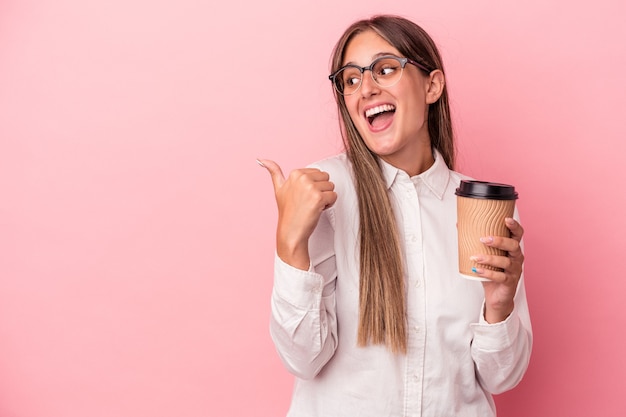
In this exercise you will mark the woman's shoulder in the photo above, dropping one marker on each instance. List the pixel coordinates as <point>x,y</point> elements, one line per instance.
<point>454,181</point>
<point>338,167</point>
<point>456,177</point>
<point>338,161</point>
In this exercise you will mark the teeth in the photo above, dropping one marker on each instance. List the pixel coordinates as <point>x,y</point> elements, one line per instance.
<point>379,109</point>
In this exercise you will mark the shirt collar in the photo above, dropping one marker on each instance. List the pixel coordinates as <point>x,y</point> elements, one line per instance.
<point>436,177</point>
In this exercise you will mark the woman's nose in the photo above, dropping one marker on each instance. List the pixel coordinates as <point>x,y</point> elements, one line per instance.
<point>368,85</point>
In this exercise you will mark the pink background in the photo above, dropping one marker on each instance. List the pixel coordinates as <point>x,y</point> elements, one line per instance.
<point>136,230</point>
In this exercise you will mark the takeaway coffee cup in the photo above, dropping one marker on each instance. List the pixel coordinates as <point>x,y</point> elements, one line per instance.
<point>481,210</point>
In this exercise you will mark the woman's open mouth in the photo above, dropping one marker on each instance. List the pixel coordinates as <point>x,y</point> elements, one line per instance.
<point>380,117</point>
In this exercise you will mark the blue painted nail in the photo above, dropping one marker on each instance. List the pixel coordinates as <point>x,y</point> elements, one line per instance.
<point>474,270</point>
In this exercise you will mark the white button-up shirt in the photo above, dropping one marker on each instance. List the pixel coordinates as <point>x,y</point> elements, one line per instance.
<point>455,360</point>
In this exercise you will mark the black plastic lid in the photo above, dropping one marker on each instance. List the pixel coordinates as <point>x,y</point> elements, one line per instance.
<point>486,190</point>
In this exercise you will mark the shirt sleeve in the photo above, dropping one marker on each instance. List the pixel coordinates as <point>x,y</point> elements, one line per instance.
<point>303,322</point>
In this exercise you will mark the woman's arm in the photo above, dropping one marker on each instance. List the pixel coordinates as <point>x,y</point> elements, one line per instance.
<point>303,323</point>
<point>501,351</point>
<point>503,338</point>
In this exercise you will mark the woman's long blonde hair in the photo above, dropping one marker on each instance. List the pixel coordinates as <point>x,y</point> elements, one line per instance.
<point>382,292</point>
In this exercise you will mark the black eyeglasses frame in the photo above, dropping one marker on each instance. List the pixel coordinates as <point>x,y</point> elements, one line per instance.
<point>402,60</point>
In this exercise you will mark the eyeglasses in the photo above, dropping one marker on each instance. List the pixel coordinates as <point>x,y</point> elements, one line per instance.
<point>386,71</point>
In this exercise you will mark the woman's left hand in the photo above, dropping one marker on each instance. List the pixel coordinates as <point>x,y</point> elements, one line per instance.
<point>502,285</point>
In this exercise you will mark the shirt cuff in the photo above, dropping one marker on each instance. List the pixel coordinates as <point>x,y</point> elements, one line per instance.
<point>495,336</point>
<point>302,289</point>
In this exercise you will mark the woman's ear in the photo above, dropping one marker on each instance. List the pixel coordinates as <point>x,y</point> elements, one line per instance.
<point>436,82</point>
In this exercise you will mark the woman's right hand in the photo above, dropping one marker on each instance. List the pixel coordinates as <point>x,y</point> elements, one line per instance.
<point>301,198</point>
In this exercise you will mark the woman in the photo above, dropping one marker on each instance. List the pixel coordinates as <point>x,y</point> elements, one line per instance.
<point>368,308</point>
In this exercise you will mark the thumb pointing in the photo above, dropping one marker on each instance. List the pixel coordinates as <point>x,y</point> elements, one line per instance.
<point>278,179</point>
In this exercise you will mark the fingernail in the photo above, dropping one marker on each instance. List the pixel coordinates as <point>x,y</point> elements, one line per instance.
<point>486,239</point>
<point>509,221</point>
<point>260,163</point>
<point>477,258</point>
<point>477,270</point>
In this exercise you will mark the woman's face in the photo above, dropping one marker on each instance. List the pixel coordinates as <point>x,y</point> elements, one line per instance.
<point>392,120</point>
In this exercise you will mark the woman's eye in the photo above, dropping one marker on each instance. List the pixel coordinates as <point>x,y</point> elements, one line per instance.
<point>386,70</point>
<point>351,78</point>
<point>352,81</point>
